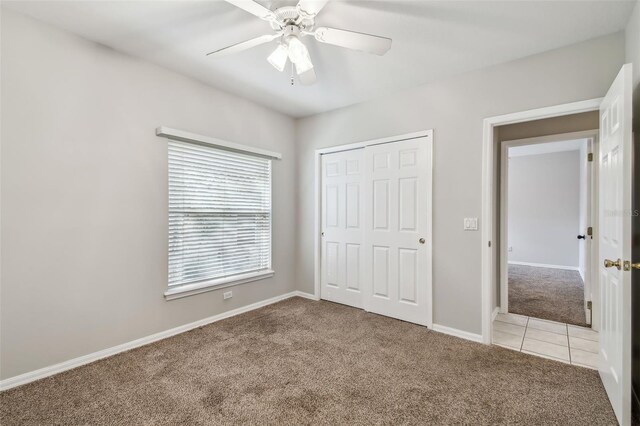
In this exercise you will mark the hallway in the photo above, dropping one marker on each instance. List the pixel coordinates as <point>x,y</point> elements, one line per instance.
<point>550,294</point>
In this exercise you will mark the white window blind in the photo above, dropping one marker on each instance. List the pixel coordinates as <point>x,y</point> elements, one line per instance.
<point>219,213</point>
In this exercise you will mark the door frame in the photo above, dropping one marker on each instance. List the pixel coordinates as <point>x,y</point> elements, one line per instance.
<point>317,243</point>
<point>591,269</point>
<point>489,198</point>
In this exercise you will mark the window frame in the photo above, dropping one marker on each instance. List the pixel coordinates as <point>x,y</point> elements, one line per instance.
<point>189,289</point>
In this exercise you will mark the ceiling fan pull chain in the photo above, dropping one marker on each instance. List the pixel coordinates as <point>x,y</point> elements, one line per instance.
<point>292,76</point>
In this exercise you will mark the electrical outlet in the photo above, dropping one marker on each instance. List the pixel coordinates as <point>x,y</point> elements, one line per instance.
<point>227,295</point>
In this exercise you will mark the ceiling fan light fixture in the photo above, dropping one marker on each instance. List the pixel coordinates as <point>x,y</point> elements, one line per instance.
<point>278,57</point>
<point>303,65</point>
<point>297,50</point>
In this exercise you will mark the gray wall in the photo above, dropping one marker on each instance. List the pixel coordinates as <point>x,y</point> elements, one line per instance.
<point>544,208</point>
<point>455,108</point>
<point>550,126</point>
<point>84,194</point>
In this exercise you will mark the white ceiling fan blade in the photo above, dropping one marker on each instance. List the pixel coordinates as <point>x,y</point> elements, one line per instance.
<point>253,8</point>
<point>353,40</point>
<point>311,8</point>
<point>308,77</point>
<point>239,47</point>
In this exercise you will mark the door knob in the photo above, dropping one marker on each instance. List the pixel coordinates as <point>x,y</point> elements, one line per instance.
<point>421,240</point>
<point>609,263</point>
<point>581,237</point>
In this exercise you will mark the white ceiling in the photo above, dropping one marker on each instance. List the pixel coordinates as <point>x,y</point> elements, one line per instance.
<point>547,148</point>
<point>431,40</point>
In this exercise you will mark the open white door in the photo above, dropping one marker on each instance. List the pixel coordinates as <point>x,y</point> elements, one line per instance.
<point>615,158</point>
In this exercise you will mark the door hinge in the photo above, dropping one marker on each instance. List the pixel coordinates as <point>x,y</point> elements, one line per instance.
<point>489,243</point>
<point>589,304</point>
<point>590,156</point>
<point>590,231</point>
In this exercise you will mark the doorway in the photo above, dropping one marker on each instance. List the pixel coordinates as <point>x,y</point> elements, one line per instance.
<point>374,218</point>
<point>612,235</point>
<point>547,209</point>
<point>545,255</point>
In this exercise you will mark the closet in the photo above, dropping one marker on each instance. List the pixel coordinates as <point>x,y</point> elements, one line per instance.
<point>376,228</point>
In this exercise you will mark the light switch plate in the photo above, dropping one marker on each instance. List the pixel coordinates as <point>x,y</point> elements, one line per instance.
<point>470,223</point>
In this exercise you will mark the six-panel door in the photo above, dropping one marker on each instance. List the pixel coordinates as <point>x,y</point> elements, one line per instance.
<point>341,256</point>
<point>397,241</point>
<point>376,215</point>
<point>615,206</point>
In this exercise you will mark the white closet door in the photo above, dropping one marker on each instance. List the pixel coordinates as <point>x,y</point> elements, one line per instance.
<point>397,234</point>
<point>341,256</point>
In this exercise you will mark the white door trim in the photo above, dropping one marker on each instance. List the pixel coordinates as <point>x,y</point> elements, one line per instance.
<point>488,198</point>
<point>591,135</point>
<point>318,205</point>
<point>356,145</point>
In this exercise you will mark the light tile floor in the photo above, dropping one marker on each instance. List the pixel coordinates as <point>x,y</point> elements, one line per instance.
<point>558,341</point>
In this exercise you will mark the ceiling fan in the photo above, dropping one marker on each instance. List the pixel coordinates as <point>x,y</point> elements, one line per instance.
<point>291,24</point>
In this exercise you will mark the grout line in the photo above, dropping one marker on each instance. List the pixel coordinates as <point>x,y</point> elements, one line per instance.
<point>549,321</point>
<point>504,322</point>
<point>586,351</point>
<point>568,343</point>
<point>508,323</point>
<point>551,343</point>
<point>549,331</point>
<point>525,334</point>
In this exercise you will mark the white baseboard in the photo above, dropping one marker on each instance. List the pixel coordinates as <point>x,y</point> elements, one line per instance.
<point>458,333</point>
<point>86,359</point>
<point>305,295</point>
<point>544,265</point>
<point>495,313</point>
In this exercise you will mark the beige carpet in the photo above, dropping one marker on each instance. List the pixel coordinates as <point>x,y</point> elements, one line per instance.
<point>552,294</point>
<point>305,362</point>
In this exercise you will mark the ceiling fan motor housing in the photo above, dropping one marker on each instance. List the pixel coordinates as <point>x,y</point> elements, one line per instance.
<point>289,15</point>
<point>290,30</point>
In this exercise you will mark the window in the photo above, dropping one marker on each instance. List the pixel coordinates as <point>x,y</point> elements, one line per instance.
<point>219,217</point>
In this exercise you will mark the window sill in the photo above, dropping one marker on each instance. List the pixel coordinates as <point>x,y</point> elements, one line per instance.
<point>202,287</point>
